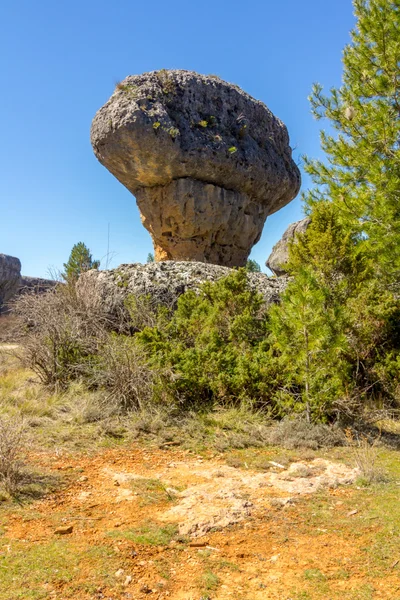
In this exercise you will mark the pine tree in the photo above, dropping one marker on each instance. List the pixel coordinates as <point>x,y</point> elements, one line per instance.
<point>80,260</point>
<point>306,334</point>
<point>252,266</point>
<point>362,175</point>
<point>361,312</point>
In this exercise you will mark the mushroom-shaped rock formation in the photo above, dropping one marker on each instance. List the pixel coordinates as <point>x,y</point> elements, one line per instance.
<point>206,161</point>
<point>280,252</point>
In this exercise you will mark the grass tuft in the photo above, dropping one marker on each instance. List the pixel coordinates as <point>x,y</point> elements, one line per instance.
<point>149,534</point>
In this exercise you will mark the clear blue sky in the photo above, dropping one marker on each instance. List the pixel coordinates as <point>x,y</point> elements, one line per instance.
<point>59,62</point>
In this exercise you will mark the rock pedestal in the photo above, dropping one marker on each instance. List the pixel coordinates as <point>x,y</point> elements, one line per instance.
<point>192,220</point>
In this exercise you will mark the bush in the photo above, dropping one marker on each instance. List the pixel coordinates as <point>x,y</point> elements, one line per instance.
<point>69,339</point>
<point>214,346</point>
<point>63,334</point>
<point>122,369</point>
<point>365,455</point>
<point>13,441</point>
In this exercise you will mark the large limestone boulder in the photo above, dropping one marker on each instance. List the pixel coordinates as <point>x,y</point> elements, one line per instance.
<point>10,278</point>
<point>206,161</point>
<point>164,282</point>
<point>280,252</point>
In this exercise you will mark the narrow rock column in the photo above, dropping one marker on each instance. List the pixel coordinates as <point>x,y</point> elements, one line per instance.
<point>192,220</point>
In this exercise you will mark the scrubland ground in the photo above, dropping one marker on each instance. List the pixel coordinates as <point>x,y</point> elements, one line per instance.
<point>111,506</point>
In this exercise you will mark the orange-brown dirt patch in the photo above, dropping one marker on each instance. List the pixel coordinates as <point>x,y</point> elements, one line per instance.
<point>274,552</point>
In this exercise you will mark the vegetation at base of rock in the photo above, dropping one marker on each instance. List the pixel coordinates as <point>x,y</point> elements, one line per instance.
<point>221,347</point>
<point>330,349</point>
<point>223,331</point>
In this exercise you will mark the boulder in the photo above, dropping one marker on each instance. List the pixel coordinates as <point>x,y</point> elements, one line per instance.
<point>12,283</point>
<point>10,278</point>
<point>280,252</point>
<point>106,291</point>
<point>207,162</point>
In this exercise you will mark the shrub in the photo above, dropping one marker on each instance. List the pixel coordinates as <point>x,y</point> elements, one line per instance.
<point>365,455</point>
<point>13,441</point>
<point>298,433</point>
<point>214,347</point>
<point>122,369</point>
<point>63,334</point>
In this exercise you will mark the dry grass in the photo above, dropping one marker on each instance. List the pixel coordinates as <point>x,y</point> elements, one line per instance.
<point>297,433</point>
<point>365,453</point>
<point>9,328</point>
<point>13,448</point>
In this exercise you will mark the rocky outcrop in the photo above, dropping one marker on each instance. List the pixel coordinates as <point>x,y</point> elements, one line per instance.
<point>163,281</point>
<point>206,161</point>
<point>280,252</point>
<point>12,283</point>
<point>10,278</point>
<point>36,285</point>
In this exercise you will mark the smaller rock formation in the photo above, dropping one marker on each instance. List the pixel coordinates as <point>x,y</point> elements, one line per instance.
<point>13,283</point>
<point>10,278</point>
<point>206,162</point>
<point>36,285</point>
<point>163,281</point>
<point>280,252</point>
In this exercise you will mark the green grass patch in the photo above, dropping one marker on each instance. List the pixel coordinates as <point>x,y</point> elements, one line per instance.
<point>152,491</point>
<point>30,571</point>
<point>148,534</point>
<point>209,581</point>
<point>314,575</point>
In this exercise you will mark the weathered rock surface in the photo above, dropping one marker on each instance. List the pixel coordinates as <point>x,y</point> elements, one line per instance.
<point>217,496</point>
<point>13,283</point>
<point>35,285</point>
<point>206,162</point>
<point>10,278</point>
<point>280,252</point>
<point>163,281</point>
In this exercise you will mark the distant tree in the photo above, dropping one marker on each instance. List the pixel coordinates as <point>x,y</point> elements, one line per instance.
<point>150,257</point>
<point>80,261</point>
<point>252,266</point>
